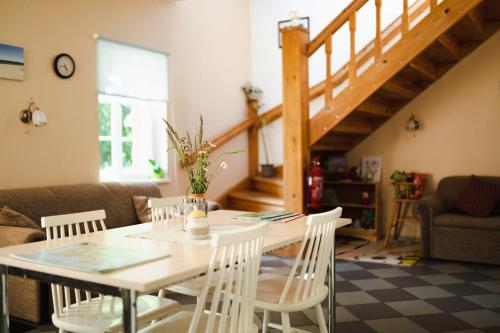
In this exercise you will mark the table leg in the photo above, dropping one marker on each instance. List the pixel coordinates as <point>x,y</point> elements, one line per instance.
<point>129,299</point>
<point>331,293</point>
<point>4,301</point>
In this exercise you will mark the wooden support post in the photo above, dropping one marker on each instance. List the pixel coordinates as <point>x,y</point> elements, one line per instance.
<point>378,34</point>
<point>253,140</point>
<point>352,62</point>
<point>404,18</point>
<point>433,4</point>
<point>295,115</point>
<point>328,81</point>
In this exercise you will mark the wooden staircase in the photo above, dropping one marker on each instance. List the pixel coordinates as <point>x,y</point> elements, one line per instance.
<point>404,59</point>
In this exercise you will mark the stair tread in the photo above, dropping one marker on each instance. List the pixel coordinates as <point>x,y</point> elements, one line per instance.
<point>257,196</point>
<point>270,180</point>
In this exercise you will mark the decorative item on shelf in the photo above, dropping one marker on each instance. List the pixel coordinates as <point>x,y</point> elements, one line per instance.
<point>408,186</point>
<point>330,197</point>
<point>33,115</point>
<point>368,219</point>
<point>194,157</point>
<point>157,170</point>
<point>294,21</point>
<point>355,174</point>
<point>336,168</point>
<point>371,168</point>
<point>11,62</point>
<point>197,222</point>
<point>412,125</point>
<point>365,198</point>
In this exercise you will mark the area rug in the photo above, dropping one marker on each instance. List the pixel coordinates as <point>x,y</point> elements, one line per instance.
<point>403,253</point>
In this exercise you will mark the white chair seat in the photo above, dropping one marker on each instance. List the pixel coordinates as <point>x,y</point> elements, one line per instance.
<point>105,315</point>
<point>270,289</point>
<point>180,323</point>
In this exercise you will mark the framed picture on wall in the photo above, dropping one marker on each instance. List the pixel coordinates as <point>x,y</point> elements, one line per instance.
<point>371,168</point>
<point>11,62</point>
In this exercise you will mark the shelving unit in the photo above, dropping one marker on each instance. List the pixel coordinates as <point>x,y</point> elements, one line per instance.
<point>348,194</point>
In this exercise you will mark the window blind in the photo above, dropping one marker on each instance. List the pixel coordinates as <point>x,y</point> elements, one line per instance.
<point>130,71</point>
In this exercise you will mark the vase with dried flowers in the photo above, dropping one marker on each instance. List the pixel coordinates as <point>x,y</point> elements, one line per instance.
<point>193,153</point>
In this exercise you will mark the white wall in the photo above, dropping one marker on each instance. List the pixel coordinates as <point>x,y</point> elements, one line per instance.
<point>209,44</point>
<point>266,55</point>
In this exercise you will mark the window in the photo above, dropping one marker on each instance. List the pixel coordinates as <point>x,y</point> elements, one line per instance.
<point>132,99</point>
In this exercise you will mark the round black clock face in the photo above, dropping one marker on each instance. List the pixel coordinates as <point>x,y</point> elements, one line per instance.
<point>64,66</point>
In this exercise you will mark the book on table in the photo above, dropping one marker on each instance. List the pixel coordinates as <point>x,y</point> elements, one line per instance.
<point>268,216</point>
<point>91,257</point>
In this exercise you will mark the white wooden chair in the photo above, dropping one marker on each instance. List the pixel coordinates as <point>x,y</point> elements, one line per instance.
<point>88,314</point>
<point>304,287</point>
<point>234,267</point>
<point>162,209</point>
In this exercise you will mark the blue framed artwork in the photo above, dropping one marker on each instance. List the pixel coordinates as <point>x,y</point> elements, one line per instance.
<point>11,62</point>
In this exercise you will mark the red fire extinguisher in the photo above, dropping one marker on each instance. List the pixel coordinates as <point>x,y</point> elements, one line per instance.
<point>315,185</point>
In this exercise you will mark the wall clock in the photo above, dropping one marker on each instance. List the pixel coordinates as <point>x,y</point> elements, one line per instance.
<point>64,66</point>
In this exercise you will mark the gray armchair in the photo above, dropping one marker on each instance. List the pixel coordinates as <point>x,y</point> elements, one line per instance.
<point>449,234</point>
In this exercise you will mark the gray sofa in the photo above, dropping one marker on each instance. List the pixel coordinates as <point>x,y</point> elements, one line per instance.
<point>449,234</point>
<point>28,299</point>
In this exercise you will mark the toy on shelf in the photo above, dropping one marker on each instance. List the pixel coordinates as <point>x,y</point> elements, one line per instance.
<point>408,186</point>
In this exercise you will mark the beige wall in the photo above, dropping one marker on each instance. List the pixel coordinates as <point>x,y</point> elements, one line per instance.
<point>460,134</point>
<point>209,43</point>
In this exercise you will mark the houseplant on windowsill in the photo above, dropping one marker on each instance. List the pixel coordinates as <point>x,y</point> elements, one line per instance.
<point>194,154</point>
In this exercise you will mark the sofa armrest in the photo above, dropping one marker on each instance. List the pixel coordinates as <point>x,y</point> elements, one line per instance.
<point>425,210</point>
<point>15,235</point>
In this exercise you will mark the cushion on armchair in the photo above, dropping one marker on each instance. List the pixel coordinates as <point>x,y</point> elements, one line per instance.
<point>478,198</point>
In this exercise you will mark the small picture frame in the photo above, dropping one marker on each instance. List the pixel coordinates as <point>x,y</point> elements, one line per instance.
<point>371,168</point>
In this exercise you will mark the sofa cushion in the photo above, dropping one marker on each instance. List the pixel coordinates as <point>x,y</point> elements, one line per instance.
<point>10,217</point>
<point>466,221</point>
<point>449,189</point>
<point>478,198</point>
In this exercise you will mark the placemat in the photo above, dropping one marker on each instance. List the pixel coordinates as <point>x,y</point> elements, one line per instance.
<point>175,234</point>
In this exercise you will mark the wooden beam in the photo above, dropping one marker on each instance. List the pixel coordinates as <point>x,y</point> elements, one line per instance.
<point>378,109</point>
<point>354,125</point>
<point>450,43</point>
<point>398,56</point>
<point>295,116</point>
<point>400,88</point>
<point>378,29</point>
<point>477,22</point>
<point>352,62</point>
<point>424,67</point>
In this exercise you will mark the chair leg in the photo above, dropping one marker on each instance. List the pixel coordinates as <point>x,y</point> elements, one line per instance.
<point>265,321</point>
<point>321,319</point>
<point>285,322</point>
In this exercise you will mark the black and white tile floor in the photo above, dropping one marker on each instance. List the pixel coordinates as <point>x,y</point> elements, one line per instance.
<point>432,296</point>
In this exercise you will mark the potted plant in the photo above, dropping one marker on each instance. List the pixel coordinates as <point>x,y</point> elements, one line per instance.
<point>193,154</point>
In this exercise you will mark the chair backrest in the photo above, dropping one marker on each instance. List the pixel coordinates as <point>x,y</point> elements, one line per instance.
<point>313,257</point>
<point>70,225</point>
<point>162,209</point>
<point>236,258</point>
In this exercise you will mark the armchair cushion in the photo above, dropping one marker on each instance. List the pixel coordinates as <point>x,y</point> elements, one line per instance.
<point>478,198</point>
<point>465,221</point>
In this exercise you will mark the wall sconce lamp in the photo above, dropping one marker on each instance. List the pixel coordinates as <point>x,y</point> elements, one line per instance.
<point>33,115</point>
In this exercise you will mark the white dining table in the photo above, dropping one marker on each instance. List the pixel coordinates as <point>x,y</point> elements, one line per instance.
<point>187,260</point>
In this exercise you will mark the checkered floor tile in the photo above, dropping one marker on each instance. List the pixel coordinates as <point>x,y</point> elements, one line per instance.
<point>432,296</point>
